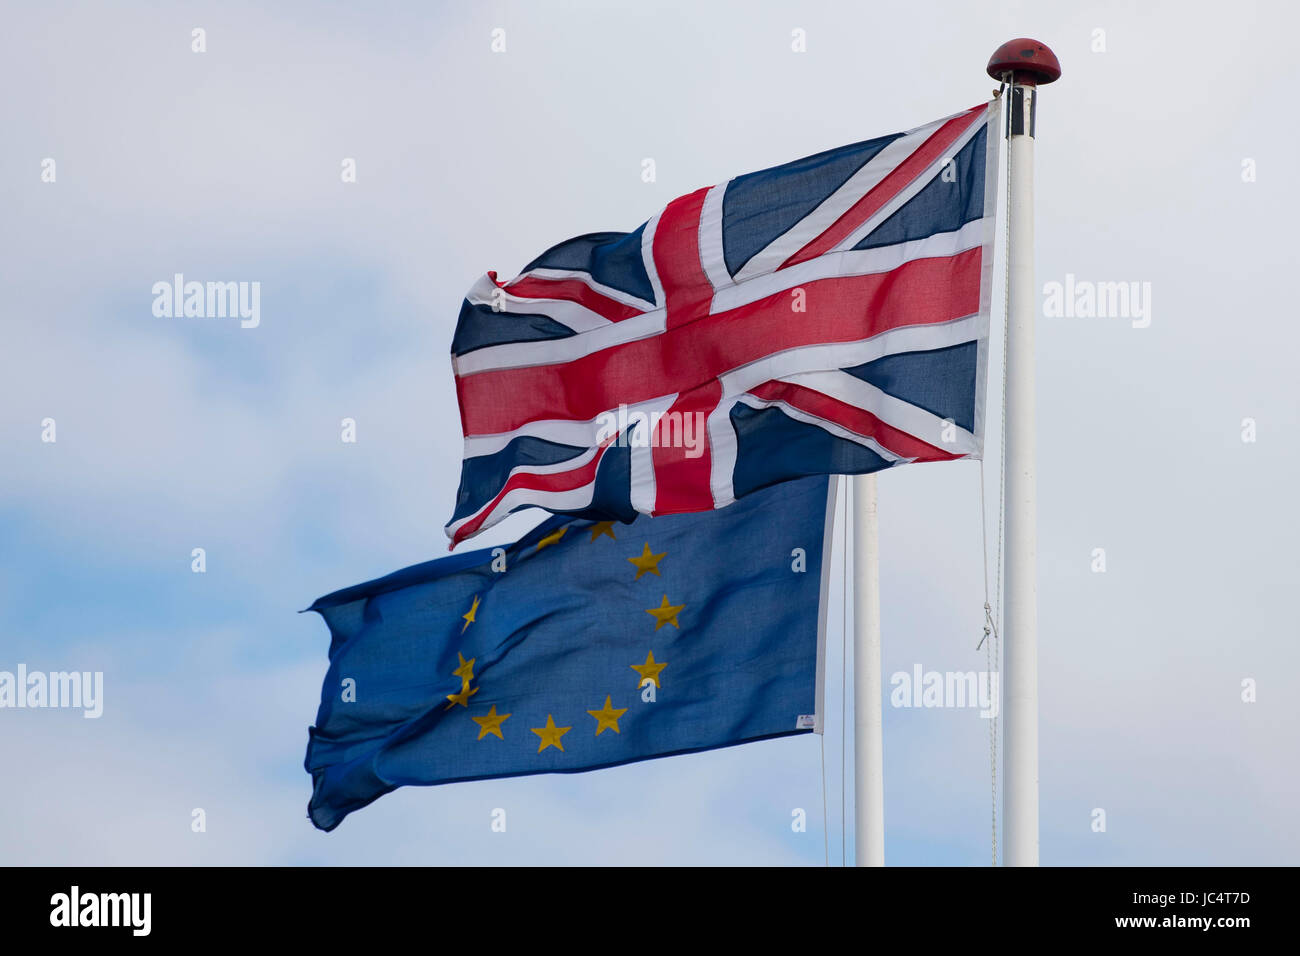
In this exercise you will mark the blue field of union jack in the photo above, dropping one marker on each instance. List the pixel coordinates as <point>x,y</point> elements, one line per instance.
<point>827,316</point>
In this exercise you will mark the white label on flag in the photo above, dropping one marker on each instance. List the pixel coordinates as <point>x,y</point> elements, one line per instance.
<point>805,722</point>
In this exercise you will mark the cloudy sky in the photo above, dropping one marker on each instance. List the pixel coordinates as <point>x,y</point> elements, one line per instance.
<point>175,433</point>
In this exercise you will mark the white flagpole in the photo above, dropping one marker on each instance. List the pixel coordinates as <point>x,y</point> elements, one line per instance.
<point>868,738</point>
<point>1027,63</point>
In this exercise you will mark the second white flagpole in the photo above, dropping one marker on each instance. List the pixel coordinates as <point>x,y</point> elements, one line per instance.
<point>868,736</point>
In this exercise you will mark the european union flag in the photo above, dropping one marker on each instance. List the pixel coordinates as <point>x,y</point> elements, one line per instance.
<point>585,644</point>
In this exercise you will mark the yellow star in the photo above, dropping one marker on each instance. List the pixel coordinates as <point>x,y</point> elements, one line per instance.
<point>602,527</point>
<point>665,613</point>
<point>469,615</point>
<point>463,697</point>
<point>491,724</point>
<point>550,735</point>
<point>649,670</point>
<point>466,670</point>
<point>646,562</point>
<point>553,537</point>
<point>607,716</point>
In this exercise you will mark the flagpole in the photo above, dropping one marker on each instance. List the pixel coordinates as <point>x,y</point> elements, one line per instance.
<point>1026,64</point>
<point>868,737</point>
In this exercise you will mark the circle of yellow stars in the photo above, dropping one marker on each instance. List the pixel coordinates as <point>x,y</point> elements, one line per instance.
<point>606,717</point>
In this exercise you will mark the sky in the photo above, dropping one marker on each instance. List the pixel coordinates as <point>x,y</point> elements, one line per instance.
<point>1164,157</point>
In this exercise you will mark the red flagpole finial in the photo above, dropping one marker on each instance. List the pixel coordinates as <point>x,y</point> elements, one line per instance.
<point>1031,63</point>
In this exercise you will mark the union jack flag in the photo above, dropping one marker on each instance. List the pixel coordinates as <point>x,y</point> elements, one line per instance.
<point>827,316</point>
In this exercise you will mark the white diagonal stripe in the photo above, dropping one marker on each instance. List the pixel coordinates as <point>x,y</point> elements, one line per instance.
<point>834,428</point>
<point>893,411</point>
<point>559,351</point>
<point>573,499</point>
<point>915,186</point>
<point>837,203</point>
<point>567,313</point>
<point>584,434</point>
<point>609,292</point>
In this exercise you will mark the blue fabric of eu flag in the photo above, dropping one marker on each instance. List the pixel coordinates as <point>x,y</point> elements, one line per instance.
<point>585,644</point>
